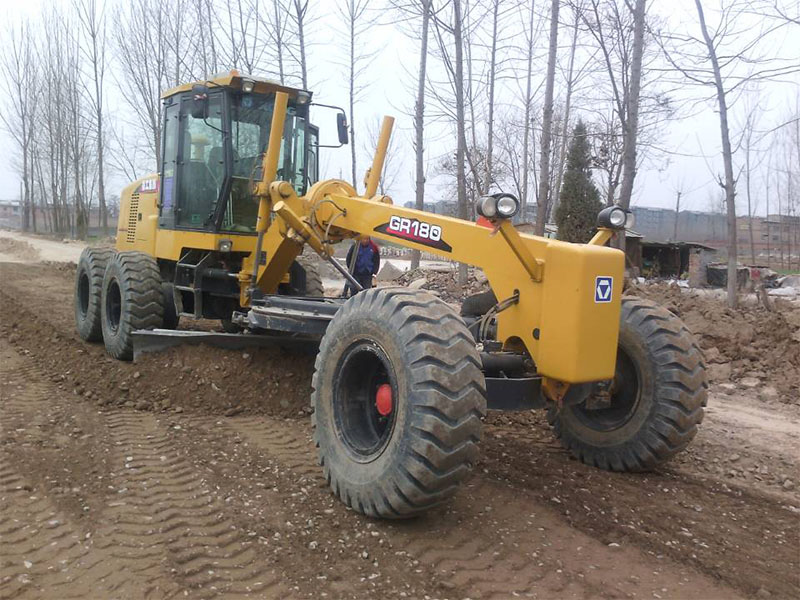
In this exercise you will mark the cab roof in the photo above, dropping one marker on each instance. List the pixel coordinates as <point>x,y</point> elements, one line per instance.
<point>234,80</point>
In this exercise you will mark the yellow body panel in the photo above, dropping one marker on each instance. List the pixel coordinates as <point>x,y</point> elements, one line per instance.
<point>138,216</point>
<point>234,80</point>
<point>577,336</point>
<point>137,228</point>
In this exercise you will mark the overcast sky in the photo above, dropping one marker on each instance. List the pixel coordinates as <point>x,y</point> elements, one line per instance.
<point>690,157</point>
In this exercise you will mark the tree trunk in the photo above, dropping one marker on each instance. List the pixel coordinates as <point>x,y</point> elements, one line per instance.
<point>487,180</point>
<point>352,25</point>
<point>677,215</point>
<point>526,132</point>
<point>631,124</point>
<point>547,123</point>
<point>766,221</point>
<point>727,157</point>
<point>300,11</point>
<point>419,121</point>
<point>562,156</point>
<point>278,38</point>
<point>461,147</point>
<point>749,206</point>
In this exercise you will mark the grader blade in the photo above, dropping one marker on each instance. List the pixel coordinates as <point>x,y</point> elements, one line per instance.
<point>157,340</point>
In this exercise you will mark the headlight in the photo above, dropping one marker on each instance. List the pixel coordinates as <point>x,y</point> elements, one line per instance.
<point>507,206</point>
<point>225,245</point>
<point>487,207</point>
<point>248,85</point>
<point>502,206</point>
<point>614,217</point>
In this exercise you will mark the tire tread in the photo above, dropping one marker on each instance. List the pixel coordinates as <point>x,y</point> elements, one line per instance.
<point>681,388</point>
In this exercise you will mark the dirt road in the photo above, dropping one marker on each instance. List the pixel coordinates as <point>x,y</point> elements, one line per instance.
<point>192,474</point>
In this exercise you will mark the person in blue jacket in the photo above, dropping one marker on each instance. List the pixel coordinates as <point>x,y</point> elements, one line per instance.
<point>367,263</point>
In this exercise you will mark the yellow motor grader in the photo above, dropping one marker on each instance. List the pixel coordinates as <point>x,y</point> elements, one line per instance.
<point>402,381</point>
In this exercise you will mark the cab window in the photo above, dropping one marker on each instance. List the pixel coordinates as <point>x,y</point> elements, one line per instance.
<point>201,165</point>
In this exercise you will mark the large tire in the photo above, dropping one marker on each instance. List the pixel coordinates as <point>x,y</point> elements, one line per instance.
<point>305,278</point>
<point>89,291</point>
<point>657,397</point>
<point>132,299</point>
<point>171,316</point>
<point>404,462</point>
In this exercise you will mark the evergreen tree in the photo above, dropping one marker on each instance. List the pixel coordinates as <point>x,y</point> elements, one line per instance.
<point>576,215</point>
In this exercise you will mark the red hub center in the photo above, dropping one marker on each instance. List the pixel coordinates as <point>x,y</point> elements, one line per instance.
<point>383,400</point>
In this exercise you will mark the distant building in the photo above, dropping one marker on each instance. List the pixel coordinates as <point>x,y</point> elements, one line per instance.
<point>658,224</point>
<point>10,214</point>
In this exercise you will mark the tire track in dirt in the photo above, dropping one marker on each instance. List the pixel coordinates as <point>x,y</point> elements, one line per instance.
<point>160,534</point>
<point>737,535</point>
<point>490,541</point>
<point>165,504</point>
<point>42,552</point>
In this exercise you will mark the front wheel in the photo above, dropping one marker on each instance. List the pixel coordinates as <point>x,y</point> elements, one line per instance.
<point>655,402</point>
<point>398,396</point>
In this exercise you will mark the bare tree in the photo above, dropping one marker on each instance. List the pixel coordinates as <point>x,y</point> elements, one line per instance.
<point>446,30</point>
<point>528,101</point>
<point>562,153</point>
<point>19,70</point>
<point>547,120</point>
<point>727,58</point>
<point>631,123</point>
<point>93,23</point>
<point>279,17</point>
<point>300,18</point>
<point>487,180</point>
<point>727,154</point>
<point>752,160</point>
<point>142,54</point>
<point>419,118</point>
<point>618,29</point>
<point>356,22</point>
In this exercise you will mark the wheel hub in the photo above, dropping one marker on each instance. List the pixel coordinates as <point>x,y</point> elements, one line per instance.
<point>363,402</point>
<point>613,407</point>
<point>383,400</point>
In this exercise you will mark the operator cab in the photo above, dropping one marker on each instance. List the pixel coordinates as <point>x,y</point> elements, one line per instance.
<point>214,136</point>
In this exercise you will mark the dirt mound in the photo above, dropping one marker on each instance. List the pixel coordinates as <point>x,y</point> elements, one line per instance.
<point>757,348</point>
<point>66,268</point>
<point>18,249</point>
<point>445,283</point>
<point>257,381</point>
<point>270,381</point>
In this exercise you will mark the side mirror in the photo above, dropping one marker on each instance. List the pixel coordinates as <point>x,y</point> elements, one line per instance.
<point>199,102</point>
<point>341,126</point>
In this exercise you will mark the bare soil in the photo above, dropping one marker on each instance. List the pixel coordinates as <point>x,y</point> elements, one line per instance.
<point>749,343</point>
<point>192,473</point>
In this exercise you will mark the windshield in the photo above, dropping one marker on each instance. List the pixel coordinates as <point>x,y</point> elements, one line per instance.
<point>251,119</point>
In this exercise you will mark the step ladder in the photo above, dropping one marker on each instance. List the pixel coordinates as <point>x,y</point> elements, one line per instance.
<point>188,274</point>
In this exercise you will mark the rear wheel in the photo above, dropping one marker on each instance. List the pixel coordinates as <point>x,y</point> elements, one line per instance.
<point>132,299</point>
<point>89,291</point>
<point>655,402</point>
<point>398,396</point>
<point>304,278</point>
